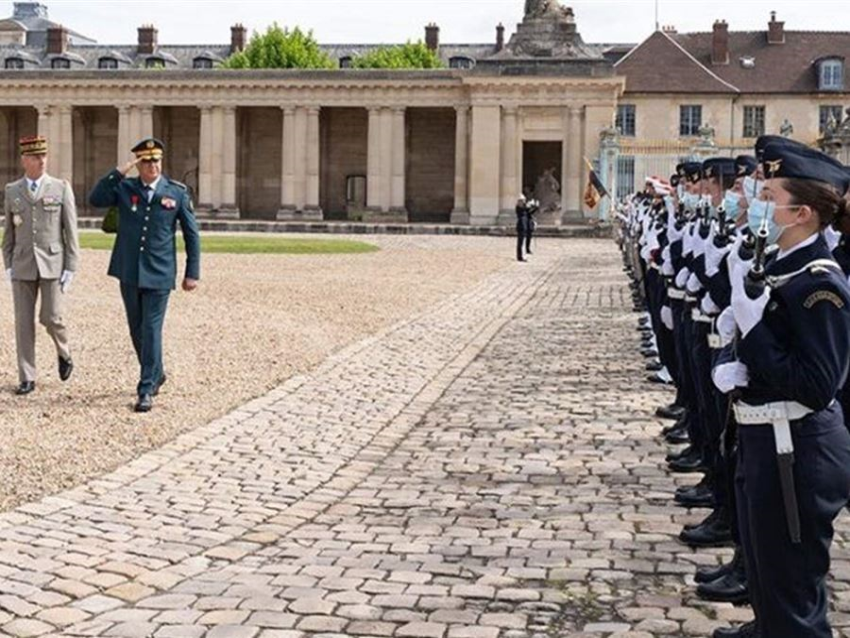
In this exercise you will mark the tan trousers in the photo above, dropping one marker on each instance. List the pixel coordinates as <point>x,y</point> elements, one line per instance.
<point>25,294</point>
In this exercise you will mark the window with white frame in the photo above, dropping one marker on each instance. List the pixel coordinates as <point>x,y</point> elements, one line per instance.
<point>690,120</point>
<point>753,121</point>
<point>831,75</point>
<point>626,120</point>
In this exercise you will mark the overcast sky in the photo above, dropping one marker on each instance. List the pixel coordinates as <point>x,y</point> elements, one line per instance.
<point>371,21</point>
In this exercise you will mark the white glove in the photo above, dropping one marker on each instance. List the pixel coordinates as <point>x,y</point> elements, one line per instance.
<point>65,281</point>
<point>728,376</point>
<point>667,317</point>
<point>9,275</point>
<point>708,306</point>
<point>726,326</point>
<point>713,257</point>
<point>700,244</point>
<point>667,268</point>
<point>832,237</point>
<point>682,278</point>
<point>748,312</point>
<point>736,264</point>
<point>693,284</point>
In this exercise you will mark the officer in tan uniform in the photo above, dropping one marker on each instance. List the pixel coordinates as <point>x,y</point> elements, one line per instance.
<point>40,253</point>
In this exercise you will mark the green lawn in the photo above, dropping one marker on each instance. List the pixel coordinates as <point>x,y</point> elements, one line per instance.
<point>248,245</point>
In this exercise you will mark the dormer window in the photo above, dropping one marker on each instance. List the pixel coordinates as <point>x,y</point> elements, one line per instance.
<point>60,63</point>
<point>154,63</point>
<point>345,62</point>
<point>107,63</point>
<point>202,63</point>
<point>831,75</point>
<point>461,62</point>
<point>14,63</point>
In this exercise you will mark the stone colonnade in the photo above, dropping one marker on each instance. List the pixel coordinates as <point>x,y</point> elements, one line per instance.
<point>494,117</point>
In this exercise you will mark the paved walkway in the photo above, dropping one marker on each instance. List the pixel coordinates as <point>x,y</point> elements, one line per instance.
<point>490,469</point>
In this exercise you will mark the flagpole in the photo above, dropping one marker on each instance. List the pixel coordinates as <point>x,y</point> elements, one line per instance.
<point>656,15</point>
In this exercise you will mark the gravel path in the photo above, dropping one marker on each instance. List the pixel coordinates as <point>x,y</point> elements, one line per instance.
<point>256,321</point>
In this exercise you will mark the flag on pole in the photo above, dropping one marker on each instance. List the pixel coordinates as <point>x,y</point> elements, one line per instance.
<point>595,190</point>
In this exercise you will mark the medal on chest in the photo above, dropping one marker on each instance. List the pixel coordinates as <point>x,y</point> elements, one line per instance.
<point>134,201</point>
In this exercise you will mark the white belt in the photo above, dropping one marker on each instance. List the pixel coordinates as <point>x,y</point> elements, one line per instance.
<point>715,342</point>
<point>691,298</point>
<point>777,412</point>
<point>696,315</point>
<point>675,293</point>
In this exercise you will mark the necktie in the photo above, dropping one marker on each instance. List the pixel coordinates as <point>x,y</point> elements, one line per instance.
<point>148,192</point>
<point>33,187</point>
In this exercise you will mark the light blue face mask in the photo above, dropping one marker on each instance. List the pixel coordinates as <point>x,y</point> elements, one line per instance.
<point>731,202</point>
<point>752,188</point>
<point>758,211</point>
<point>691,201</point>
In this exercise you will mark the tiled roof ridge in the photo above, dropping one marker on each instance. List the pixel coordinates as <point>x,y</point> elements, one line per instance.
<point>700,64</point>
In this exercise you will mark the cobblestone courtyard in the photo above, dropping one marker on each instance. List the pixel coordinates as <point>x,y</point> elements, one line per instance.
<point>489,469</point>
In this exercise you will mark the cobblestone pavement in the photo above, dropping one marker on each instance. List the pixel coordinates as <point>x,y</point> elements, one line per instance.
<point>489,469</point>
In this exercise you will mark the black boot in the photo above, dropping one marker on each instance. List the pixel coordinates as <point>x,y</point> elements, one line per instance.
<point>730,588</point>
<point>697,496</point>
<point>750,630</point>
<point>713,532</point>
<point>673,412</point>
<point>687,464</point>
<point>708,574</point>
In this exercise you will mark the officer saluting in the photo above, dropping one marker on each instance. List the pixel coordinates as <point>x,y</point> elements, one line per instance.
<point>144,257</point>
<point>40,251</point>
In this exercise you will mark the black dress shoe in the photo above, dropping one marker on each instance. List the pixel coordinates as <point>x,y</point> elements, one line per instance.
<point>713,533</point>
<point>25,388</point>
<point>698,496</point>
<point>709,574</point>
<point>66,367</point>
<point>731,588</point>
<point>687,452</point>
<point>680,424</point>
<point>677,437</point>
<point>649,352</point>
<point>750,630</point>
<point>161,383</point>
<point>688,464</point>
<point>673,412</point>
<point>654,366</point>
<point>144,404</point>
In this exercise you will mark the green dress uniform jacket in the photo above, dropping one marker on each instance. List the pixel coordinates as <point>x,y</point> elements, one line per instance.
<point>145,251</point>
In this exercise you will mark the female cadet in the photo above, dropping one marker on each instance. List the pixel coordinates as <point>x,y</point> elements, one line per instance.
<point>793,475</point>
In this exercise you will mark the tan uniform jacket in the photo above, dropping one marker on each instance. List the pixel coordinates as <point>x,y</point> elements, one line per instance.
<point>40,238</point>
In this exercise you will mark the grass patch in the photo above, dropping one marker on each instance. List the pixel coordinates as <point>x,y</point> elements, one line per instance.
<point>245,245</point>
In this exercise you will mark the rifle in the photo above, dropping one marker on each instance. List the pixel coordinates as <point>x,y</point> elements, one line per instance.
<point>754,284</point>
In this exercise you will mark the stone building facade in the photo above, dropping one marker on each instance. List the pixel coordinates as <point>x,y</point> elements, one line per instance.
<point>456,145</point>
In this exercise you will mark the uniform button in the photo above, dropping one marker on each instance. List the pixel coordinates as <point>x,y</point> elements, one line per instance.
<point>145,228</point>
<point>143,238</point>
<point>142,249</point>
<point>147,218</point>
<point>149,209</point>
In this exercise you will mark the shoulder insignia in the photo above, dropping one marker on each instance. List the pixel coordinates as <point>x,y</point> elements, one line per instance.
<point>823,295</point>
<point>179,184</point>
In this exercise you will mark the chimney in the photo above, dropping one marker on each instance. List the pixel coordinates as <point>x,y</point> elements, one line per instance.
<point>669,28</point>
<point>775,30</point>
<point>57,40</point>
<point>500,37</point>
<point>432,37</point>
<point>238,35</point>
<point>147,39</point>
<point>720,43</point>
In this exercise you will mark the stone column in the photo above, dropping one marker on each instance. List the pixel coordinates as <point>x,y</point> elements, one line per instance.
<point>373,183</point>
<point>485,165</point>
<point>287,177</point>
<point>124,144</point>
<point>43,120</point>
<point>571,185</point>
<point>228,188</point>
<point>509,188</point>
<point>397,191</point>
<point>217,159</point>
<point>145,123</point>
<point>300,179</point>
<point>460,214</point>
<point>205,176</point>
<point>54,141</point>
<point>312,210</point>
<point>66,142</point>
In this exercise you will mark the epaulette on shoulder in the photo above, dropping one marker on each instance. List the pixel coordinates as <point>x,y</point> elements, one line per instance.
<point>180,184</point>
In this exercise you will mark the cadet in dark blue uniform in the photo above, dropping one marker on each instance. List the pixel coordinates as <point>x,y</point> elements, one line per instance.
<point>793,475</point>
<point>144,258</point>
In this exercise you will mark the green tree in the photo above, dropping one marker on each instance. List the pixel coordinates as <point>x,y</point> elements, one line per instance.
<point>280,48</point>
<point>404,56</point>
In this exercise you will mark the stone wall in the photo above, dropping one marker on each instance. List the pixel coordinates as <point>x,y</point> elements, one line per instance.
<point>95,150</point>
<point>258,166</point>
<point>430,164</point>
<point>179,128</point>
<point>344,152</point>
<point>15,123</point>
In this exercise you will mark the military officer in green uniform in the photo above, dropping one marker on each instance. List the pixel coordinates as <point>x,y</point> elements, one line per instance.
<point>144,258</point>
